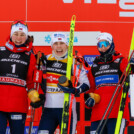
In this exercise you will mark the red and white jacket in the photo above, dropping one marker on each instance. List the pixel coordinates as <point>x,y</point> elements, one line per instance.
<point>103,79</point>
<point>16,77</point>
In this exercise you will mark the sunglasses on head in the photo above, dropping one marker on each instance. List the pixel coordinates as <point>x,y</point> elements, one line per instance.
<point>19,21</point>
<point>103,43</point>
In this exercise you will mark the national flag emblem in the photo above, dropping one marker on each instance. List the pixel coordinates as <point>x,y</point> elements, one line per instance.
<point>59,38</point>
<point>20,28</point>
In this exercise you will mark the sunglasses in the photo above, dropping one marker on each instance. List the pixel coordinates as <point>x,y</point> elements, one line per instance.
<point>19,21</point>
<point>103,43</point>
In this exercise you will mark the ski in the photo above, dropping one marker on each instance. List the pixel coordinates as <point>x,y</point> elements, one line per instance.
<point>65,113</point>
<point>124,93</point>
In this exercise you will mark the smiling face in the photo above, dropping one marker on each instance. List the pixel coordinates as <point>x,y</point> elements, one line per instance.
<point>19,37</point>
<point>59,48</point>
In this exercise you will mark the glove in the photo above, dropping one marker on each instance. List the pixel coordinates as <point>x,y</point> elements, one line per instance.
<point>91,99</point>
<point>33,95</point>
<point>90,102</point>
<point>69,89</point>
<point>39,103</point>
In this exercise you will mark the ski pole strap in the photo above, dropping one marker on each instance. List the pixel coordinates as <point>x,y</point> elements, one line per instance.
<point>37,77</point>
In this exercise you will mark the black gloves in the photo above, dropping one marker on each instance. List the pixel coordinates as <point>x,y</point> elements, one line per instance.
<point>39,103</point>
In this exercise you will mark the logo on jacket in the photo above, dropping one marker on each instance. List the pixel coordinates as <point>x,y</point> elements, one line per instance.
<point>16,56</point>
<point>2,48</point>
<point>52,78</point>
<point>104,67</point>
<point>57,65</point>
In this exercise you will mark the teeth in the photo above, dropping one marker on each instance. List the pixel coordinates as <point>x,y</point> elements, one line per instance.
<point>18,41</point>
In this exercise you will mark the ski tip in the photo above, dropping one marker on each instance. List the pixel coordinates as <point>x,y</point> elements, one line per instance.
<point>73,17</point>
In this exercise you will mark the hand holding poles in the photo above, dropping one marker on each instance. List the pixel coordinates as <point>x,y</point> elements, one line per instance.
<point>91,99</point>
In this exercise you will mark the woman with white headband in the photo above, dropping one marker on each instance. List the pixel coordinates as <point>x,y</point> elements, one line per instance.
<point>17,64</point>
<point>104,76</point>
<point>56,67</point>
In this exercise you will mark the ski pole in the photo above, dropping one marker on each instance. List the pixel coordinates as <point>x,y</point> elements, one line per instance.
<point>118,85</point>
<point>37,87</point>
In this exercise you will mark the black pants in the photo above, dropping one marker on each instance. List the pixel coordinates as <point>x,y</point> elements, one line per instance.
<point>16,122</point>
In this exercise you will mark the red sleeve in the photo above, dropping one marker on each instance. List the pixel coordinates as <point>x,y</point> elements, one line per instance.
<point>32,67</point>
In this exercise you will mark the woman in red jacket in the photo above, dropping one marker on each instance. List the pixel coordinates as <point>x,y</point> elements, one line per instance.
<point>17,64</point>
<point>104,77</point>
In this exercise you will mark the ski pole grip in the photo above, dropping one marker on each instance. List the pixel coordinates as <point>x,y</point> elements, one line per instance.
<point>38,58</point>
<point>63,81</point>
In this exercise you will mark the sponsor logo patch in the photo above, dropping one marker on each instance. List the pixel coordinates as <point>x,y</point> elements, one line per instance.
<point>57,65</point>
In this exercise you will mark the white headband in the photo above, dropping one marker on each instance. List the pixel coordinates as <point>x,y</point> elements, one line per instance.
<point>19,27</point>
<point>59,36</point>
<point>105,36</point>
